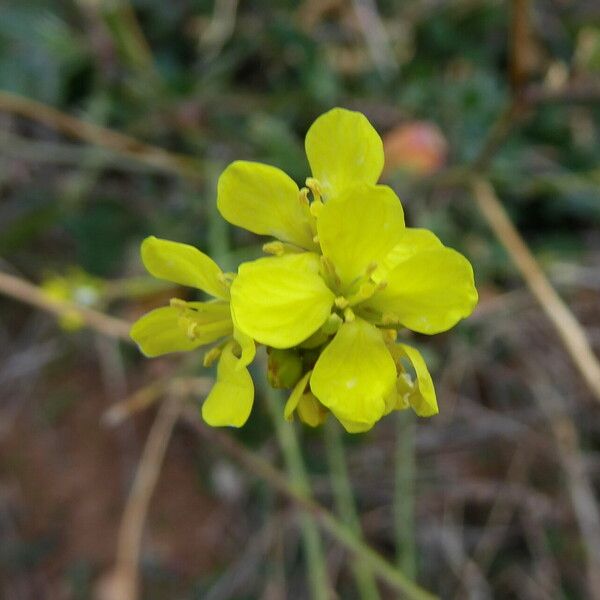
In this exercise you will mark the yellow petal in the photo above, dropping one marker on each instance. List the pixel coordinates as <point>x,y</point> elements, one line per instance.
<point>280,301</point>
<point>360,227</point>
<point>230,400</point>
<point>429,292</point>
<point>412,241</point>
<point>422,399</point>
<point>246,345</point>
<point>161,331</point>
<point>264,200</point>
<point>343,148</point>
<point>183,264</point>
<point>353,427</point>
<point>294,399</point>
<point>355,373</point>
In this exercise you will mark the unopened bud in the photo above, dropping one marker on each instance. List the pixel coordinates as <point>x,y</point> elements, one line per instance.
<point>284,368</point>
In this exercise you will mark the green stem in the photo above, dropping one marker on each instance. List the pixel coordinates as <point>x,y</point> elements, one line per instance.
<point>346,507</point>
<point>288,441</point>
<point>404,494</point>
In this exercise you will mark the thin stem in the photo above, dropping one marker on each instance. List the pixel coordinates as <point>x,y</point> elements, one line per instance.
<point>261,468</point>
<point>404,494</point>
<point>346,507</point>
<point>288,442</point>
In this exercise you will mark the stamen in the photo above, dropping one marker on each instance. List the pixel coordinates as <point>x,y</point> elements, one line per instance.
<point>315,208</point>
<point>365,291</point>
<point>390,319</point>
<point>212,355</point>
<point>226,278</point>
<point>191,329</point>
<point>275,248</point>
<point>371,268</point>
<point>303,196</point>
<point>341,302</point>
<point>329,272</point>
<point>315,187</point>
<point>349,315</point>
<point>177,303</point>
<point>389,335</point>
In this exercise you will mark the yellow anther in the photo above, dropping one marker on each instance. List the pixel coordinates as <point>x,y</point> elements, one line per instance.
<point>371,268</point>
<point>191,329</point>
<point>390,319</point>
<point>315,187</point>
<point>226,278</point>
<point>349,315</point>
<point>389,335</point>
<point>315,208</point>
<point>276,248</point>
<point>365,291</point>
<point>178,303</point>
<point>341,302</point>
<point>211,356</point>
<point>316,239</point>
<point>303,196</point>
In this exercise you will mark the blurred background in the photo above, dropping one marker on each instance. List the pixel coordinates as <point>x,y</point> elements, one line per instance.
<point>116,118</point>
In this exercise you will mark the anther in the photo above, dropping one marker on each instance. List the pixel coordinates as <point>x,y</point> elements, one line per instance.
<point>303,196</point>
<point>390,319</point>
<point>211,356</point>
<point>341,302</point>
<point>389,335</point>
<point>349,315</point>
<point>226,278</point>
<point>191,330</point>
<point>315,187</point>
<point>177,303</point>
<point>371,268</point>
<point>276,248</point>
<point>316,207</point>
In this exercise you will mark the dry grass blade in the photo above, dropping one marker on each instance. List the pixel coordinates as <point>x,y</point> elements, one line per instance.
<point>568,328</point>
<point>120,143</point>
<point>123,582</point>
<point>20,289</point>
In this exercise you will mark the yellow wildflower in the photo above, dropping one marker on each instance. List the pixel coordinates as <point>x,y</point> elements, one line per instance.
<point>75,286</point>
<point>342,148</point>
<point>184,326</point>
<point>374,276</point>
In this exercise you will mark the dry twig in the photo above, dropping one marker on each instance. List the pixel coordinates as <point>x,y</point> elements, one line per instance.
<point>123,582</point>
<point>568,328</point>
<point>20,289</point>
<point>120,143</point>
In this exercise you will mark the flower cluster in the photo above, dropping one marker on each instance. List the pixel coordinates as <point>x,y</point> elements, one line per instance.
<point>344,275</point>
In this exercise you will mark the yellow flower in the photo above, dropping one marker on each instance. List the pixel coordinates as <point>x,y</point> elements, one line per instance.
<point>184,326</point>
<point>374,276</point>
<point>342,149</point>
<point>75,286</point>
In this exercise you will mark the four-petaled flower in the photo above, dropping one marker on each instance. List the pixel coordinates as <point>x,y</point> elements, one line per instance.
<point>184,326</point>
<point>346,275</point>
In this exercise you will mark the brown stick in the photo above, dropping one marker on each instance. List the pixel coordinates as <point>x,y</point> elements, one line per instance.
<point>120,143</point>
<point>20,289</point>
<point>568,328</point>
<point>123,582</point>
